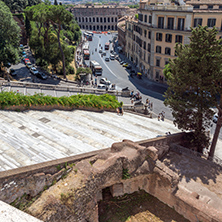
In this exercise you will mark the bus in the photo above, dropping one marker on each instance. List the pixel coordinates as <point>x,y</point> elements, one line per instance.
<point>85,46</point>
<point>88,35</point>
<point>107,46</point>
<point>96,68</point>
<point>86,54</point>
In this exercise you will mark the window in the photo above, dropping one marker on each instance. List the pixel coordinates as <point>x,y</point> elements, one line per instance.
<point>211,22</point>
<point>97,19</point>
<point>101,19</point>
<point>148,59</point>
<point>166,62</point>
<point>197,21</point>
<point>140,17</point>
<point>145,33</point>
<point>144,45</point>
<point>157,62</point>
<point>168,51</point>
<point>158,49</point>
<point>196,6</point>
<point>159,36</point>
<point>180,25</point>
<point>93,19</point>
<point>145,18</point>
<point>168,38</point>
<point>179,38</point>
<point>220,6</point>
<point>148,47</point>
<point>160,22</point>
<point>105,20</point>
<point>149,34</point>
<point>150,19</point>
<point>210,6</point>
<point>170,23</point>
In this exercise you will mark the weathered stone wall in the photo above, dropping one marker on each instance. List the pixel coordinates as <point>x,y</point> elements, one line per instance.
<point>33,179</point>
<point>75,197</point>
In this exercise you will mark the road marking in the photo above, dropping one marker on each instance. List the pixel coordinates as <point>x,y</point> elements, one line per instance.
<point>105,62</point>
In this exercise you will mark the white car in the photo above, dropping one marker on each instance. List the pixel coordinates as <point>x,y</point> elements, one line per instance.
<point>33,70</point>
<point>105,81</point>
<point>215,118</point>
<point>101,86</point>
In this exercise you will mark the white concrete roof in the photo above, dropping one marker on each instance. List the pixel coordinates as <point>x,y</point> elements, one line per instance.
<point>32,137</point>
<point>10,213</point>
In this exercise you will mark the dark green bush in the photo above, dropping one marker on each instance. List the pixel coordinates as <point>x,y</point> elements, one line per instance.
<point>14,99</point>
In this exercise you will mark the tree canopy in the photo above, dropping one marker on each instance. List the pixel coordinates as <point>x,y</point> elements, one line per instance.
<point>193,79</point>
<point>9,36</point>
<point>54,30</point>
<point>20,5</point>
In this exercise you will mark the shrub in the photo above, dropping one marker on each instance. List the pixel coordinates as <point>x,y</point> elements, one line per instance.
<point>90,101</point>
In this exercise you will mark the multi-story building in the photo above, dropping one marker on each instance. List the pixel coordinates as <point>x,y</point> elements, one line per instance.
<point>98,17</point>
<point>150,40</point>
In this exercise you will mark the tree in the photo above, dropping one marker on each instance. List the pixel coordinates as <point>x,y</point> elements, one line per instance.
<point>54,25</point>
<point>9,36</point>
<point>192,78</point>
<point>59,16</point>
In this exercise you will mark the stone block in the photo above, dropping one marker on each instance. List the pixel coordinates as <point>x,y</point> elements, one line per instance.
<point>117,190</point>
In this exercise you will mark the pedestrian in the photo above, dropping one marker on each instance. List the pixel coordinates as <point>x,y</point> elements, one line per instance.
<point>147,101</point>
<point>151,106</point>
<point>159,117</point>
<point>120,109</point>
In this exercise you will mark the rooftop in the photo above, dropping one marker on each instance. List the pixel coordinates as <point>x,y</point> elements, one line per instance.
<point>32,137</point>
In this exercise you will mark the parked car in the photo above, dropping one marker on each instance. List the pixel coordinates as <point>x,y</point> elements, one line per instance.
<point>107,59</point>
<point>28,65</point>
<point>101,86</point>
<point>215,118</point>
<point>122,62</point>
<point>12,72</point>
<point>34,71</point>
<point>133,72</point>
<point>100,51</point>
<point>105,81</point>
<point>104,53</point>
<point>125,64</point>
<point>42,75</point>
<point>27,60</point>
<point>111,51</point>
<point>112,57</point>
<point>108,32</point>
<point>24,57</point>
<point>129,67</point>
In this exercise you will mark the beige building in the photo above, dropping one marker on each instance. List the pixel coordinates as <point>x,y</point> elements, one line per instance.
<point>151,39</point>
<point>98,17</point>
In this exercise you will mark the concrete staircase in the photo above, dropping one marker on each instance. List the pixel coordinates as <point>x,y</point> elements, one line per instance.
<point>34,136</point>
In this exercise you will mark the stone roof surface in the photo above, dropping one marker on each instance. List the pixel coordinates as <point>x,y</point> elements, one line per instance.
<point>32,137</point>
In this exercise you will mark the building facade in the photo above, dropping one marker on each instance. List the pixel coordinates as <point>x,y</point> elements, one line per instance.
<point>98,17</point>
<point>151,40</point>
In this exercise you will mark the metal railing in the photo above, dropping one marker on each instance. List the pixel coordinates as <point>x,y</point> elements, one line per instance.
<point>77,89</point>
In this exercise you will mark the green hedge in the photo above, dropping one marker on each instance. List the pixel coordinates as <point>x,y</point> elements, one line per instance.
<point>16,99</point>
